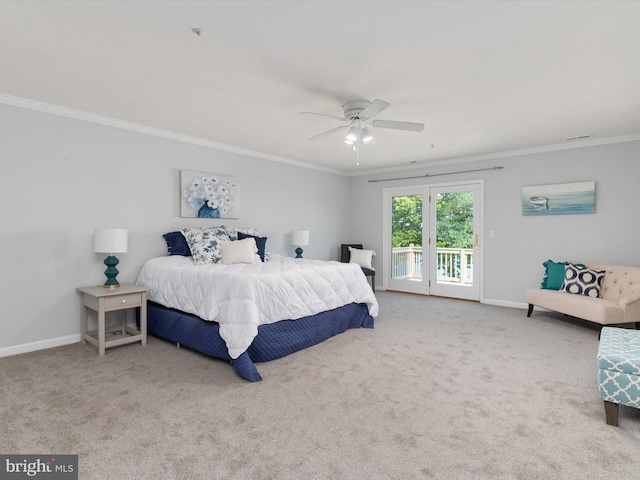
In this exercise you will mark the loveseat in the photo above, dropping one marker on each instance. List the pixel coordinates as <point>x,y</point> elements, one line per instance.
<point>617,300</point>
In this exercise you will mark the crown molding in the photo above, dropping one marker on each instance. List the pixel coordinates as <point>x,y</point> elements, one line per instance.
<point>156,132</point>
<point>510,153</point>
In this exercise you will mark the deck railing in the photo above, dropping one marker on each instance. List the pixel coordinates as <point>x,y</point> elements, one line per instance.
<point>454,265</point>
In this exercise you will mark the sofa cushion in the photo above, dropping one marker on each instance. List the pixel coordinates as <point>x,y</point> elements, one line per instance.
<point>597,310</point>
<point>620,282</point>
<point>582,281</point>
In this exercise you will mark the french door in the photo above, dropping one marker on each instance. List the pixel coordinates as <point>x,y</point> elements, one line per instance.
<point>432,238</point>
<point>403,246</point>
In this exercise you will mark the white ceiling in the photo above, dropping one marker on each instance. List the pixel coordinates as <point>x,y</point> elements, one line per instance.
<point>483,76</point>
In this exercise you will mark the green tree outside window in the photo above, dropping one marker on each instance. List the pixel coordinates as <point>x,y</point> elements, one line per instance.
<point>454,220</point>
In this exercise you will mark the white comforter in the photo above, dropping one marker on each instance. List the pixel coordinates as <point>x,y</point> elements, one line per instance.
<point>242,296</point>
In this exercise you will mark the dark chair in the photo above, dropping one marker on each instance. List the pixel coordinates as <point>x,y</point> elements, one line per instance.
<point>345,256</point>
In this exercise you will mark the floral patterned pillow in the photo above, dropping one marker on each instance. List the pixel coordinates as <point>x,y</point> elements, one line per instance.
<point>204,243</point>
<point>233,232</point>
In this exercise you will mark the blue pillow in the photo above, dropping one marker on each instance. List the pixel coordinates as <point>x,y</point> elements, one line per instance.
<point>261,242</point>
<point>177,244</point>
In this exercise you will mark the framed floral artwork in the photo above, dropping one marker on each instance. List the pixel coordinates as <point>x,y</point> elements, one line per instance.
<point>207,195</point>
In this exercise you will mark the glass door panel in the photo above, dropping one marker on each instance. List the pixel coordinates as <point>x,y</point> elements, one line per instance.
<point>454,232</point>
<point>404,250</point>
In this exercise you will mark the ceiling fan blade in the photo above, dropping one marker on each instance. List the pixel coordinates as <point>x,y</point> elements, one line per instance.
<point>342,119</point>
<point>329,132</point>
<point>373,109</point>
<point>409,126</point>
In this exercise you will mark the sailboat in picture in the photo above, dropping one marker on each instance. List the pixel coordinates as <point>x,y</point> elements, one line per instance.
<point>539,202</point>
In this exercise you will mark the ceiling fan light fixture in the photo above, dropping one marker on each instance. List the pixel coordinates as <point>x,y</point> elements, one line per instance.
<point>365,135</point>
<point>357,115</point>
<point>352,133</point>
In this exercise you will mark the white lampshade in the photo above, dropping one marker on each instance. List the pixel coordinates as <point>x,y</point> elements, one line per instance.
<point>365,135</point>
<point>300,237</point>
<point>352,133</point>
<point>110,240</point>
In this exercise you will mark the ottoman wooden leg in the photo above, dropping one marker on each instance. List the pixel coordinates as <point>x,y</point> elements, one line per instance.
<point>611,413</point>
<point>530,310</point>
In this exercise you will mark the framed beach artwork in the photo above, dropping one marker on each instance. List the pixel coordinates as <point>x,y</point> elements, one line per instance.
<point>559,199</point>
<point>207,195</point>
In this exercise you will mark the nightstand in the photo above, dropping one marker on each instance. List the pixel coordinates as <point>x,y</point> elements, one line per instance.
<point>103,300</point>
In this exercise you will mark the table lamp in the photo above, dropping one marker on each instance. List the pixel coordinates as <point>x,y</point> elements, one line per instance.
<point>299,238</point>
<point>110,240</point>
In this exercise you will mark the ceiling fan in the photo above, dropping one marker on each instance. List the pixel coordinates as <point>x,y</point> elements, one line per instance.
<point>358,115</point>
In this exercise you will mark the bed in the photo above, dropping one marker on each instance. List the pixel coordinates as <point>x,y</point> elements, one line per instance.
<point>250,313</point>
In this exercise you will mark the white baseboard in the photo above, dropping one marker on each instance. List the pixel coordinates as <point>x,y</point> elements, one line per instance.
<point>504,303</point>
<point>41,345</point>
<point>489,301</point>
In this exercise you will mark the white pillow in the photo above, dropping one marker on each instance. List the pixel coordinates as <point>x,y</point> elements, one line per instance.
<point>239,251</point>
<point>361,257</point>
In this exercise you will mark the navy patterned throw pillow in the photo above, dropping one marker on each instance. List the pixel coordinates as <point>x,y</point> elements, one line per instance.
<point>177,244</point>
<point>582,281</point>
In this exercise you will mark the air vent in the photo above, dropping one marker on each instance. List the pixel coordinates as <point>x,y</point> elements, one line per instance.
<point>579,137</point>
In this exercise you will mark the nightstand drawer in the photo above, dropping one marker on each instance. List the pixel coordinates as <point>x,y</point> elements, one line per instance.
<point>134,299</point>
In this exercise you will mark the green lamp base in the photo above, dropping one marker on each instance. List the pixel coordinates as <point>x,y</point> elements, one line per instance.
<point>111,272</point>
<point>298,252</point>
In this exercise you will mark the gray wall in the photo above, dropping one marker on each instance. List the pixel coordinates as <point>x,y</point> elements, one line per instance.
<point>521,244</point>
<point>61,178</point>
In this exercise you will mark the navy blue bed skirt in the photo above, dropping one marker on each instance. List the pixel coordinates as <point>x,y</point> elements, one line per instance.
<point>273,341</point>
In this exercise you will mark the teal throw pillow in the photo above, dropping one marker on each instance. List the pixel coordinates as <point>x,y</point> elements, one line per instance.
<point>554,275</point>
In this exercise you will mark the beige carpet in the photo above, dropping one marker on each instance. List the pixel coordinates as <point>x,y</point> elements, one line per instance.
<point>439,389</point>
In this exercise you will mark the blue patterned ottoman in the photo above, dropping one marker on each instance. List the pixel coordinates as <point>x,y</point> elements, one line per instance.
<point>619,374</point>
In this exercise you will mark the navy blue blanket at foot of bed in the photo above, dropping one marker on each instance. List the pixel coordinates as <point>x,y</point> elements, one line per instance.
<point>273,341</point>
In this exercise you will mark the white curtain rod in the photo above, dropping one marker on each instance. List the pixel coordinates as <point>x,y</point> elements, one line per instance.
<point>435,174</point>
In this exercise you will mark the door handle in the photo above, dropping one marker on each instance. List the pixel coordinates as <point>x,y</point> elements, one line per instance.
<point>475,243</point>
